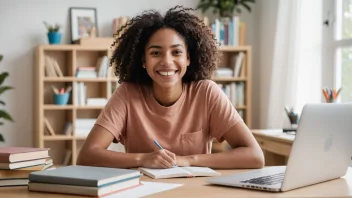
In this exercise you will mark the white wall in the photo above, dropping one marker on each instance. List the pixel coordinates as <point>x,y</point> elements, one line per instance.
<point>22,29</point>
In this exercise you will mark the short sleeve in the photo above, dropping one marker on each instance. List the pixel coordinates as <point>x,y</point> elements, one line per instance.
<point>114,114</point>
<point>222,114</point>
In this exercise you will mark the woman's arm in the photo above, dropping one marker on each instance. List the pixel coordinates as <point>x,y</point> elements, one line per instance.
<point>246,152</point>
<point>94,153</point>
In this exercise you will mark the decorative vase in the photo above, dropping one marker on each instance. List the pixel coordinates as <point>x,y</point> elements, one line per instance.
<point>54,38</point>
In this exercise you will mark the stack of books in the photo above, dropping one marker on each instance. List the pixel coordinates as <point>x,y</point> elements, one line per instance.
<point>84,180</point>
<point>16,163</point>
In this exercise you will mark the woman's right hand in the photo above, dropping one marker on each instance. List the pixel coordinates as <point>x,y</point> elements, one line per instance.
<point>159,159</point>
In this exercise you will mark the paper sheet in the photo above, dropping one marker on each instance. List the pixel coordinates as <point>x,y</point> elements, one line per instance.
<point>147,188</point>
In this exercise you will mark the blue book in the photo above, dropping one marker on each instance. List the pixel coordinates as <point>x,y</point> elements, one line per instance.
<point>84,176</point>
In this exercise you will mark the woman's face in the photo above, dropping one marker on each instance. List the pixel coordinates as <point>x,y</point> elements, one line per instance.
<point>166,57</point>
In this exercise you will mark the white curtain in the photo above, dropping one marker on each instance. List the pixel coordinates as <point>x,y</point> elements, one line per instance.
<point>296,62</point>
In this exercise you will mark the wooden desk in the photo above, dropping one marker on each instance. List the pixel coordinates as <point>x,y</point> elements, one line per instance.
<point>196,187</point>
<point>275,144</point>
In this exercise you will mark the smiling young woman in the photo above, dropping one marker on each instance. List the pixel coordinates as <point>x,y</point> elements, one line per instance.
<point>164,64</point>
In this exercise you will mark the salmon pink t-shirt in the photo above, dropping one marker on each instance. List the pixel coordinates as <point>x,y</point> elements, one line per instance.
<point>135,118</point>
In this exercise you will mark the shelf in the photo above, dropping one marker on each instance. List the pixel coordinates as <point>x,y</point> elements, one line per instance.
<point>240,107</point>
<point>91,80</point>
<point>80,138</point>
<point>74,79</point>
<point>58,137</point>
<point>57,107</point>
<point>89,107</point>
<point>229,79</point>
<point>233,48</point>
<point>59,79</point>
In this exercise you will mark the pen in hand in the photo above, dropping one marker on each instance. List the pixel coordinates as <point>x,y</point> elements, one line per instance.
<point>161,148</point>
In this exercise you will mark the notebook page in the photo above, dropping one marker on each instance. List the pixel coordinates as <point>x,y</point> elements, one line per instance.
<point>201,171</point>
<point>165,173</point>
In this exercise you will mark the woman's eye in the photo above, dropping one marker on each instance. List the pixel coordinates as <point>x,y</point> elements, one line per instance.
<point>177,52</point>
<point>154,53</point>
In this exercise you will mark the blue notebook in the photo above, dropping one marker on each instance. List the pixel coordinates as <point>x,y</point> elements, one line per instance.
<point>84,176</point>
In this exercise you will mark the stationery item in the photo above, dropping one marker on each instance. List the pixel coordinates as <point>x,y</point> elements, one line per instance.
<point>190,171</point>
<point>147,188</point>
<point>156,142</point>
<point>17,154</point>
<point>331,95</point>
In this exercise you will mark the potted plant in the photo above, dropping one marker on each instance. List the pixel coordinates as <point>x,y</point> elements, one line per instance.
<point>225,8</point>
<point>54,36</point>
<point>3,114</point>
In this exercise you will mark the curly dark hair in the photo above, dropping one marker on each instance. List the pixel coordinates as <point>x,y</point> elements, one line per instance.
<point>130,45</point>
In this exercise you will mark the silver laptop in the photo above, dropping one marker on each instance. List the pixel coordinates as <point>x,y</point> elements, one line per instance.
<point>321,151</point>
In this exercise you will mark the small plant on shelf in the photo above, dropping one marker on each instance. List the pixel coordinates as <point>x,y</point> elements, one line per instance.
<point>225,7</point>
<point>54,36</point>
<point>3,114</point>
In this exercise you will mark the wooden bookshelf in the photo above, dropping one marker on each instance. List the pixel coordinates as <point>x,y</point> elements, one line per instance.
<point>228,53</point>
<point>69,57</point>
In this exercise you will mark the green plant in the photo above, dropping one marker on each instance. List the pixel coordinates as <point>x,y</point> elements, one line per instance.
<point>52,28</point>
<point>3,113</point>
<point>225,7</point>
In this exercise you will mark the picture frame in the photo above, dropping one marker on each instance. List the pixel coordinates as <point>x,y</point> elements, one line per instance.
<point>83,23</point>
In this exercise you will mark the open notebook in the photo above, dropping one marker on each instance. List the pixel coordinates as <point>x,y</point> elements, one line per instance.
<point>179,172</point>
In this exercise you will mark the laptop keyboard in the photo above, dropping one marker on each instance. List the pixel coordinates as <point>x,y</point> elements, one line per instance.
<point>266,180</point>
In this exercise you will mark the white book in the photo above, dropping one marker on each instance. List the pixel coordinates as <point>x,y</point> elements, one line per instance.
<point>238,64</point>
<point>190,171</point>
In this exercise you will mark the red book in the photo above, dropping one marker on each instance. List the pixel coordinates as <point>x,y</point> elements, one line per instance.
<point>18,154</point>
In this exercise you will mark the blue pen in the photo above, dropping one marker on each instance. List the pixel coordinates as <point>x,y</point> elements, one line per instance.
<point>156,142</point>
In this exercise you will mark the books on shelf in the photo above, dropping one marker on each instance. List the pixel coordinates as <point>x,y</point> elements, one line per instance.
<point>48,127</point>
<point>100,70</point>
<point>235,92</point>
<point>229,32</point>
<point>83,126</point>
<point>97,101</point>
<point>86,72</point>
<point>223,72</point>
<point>52,68</point>
<point>84,180</point>
<point>191,171</point>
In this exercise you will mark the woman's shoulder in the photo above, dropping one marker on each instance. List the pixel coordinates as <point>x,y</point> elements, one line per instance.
<point>128,89</point>
<point>204,85</point>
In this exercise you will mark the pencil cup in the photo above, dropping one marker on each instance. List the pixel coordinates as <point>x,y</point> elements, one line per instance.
<point>61,99</point>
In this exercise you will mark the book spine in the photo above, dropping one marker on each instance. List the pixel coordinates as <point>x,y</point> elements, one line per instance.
<point>62,180</point>
<point>4,158</point>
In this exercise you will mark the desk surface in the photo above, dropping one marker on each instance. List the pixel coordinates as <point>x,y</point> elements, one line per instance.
<point>196,187</point>
<point>274,134</point>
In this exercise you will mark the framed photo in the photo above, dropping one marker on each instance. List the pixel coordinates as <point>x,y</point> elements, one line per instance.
<point>83,22</point>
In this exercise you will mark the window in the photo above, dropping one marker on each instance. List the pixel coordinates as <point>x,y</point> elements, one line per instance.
<point>343,48</point>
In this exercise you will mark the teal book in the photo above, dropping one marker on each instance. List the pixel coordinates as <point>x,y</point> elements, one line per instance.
<point>84,176</point>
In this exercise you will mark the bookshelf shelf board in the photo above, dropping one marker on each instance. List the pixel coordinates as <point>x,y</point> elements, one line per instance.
<point>59,79</point>
<point>80,138</point>
<point>58,107</point>
<point>91,79</point>
<point>58,137</point>
<point>73,47</point>
<point>89,107</point>
<point>240,107</point>
<point>229,79</point>
<point>233,48</point>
